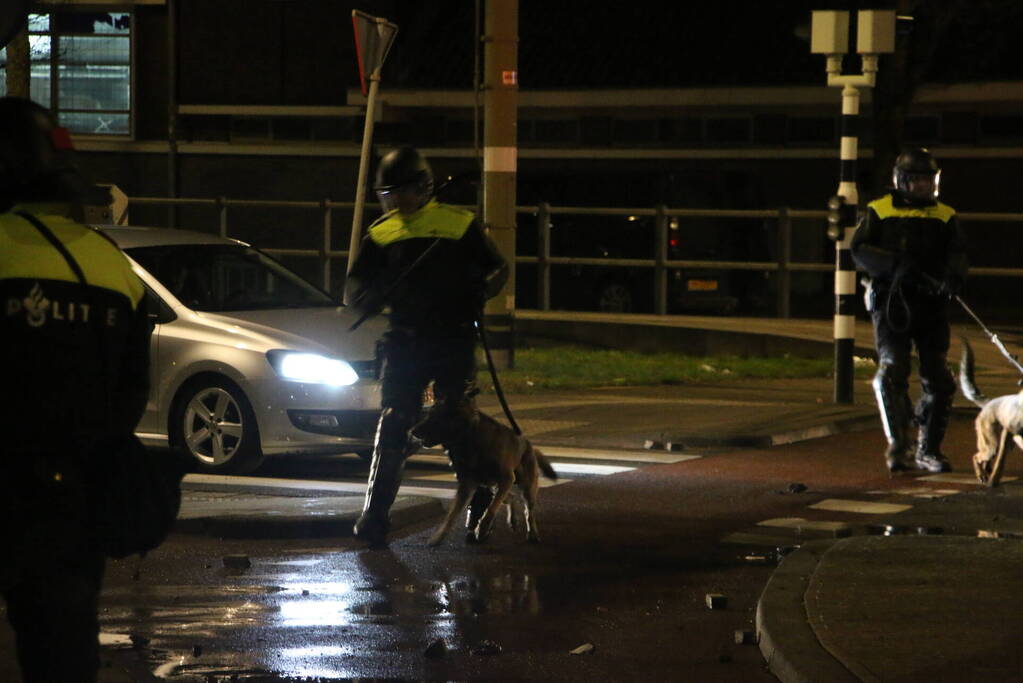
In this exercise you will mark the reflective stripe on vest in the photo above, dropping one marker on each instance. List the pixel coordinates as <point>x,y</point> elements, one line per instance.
<point>433,220</point>
<point>885,208</point>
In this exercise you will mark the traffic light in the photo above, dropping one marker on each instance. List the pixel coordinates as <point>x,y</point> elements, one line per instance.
<point>835,215</point>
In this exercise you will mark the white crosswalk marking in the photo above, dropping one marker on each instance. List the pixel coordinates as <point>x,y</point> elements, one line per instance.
<point>860,506</point>
<point>800,523</point>
<point>428,473</point>
<point>957,478</point>
<point>637,456</point>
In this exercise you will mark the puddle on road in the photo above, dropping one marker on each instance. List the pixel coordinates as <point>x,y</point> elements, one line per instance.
<point>306,621</point>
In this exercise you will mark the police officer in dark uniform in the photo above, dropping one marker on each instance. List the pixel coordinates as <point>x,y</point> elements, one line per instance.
<point>914,252</point>
<point>435,267</point>
<point>74,338</point>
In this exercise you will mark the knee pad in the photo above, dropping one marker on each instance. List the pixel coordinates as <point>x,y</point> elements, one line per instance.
<point>890,378</point>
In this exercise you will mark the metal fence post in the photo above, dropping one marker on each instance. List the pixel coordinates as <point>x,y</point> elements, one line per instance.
<point>325,253</point>
<point>660,261</point>
<point>222,208</point>
<point>543,253</point>
<point>784,258</point>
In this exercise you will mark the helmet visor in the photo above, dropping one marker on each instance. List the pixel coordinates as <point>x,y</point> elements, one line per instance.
<point>405,198</point>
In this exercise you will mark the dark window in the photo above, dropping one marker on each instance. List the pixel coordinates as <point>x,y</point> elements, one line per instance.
<point>556,131</point>
<point>1002,128</point>
<point>729,131</point>
<point>595,131</point>
<point>921,129</point>
<point>770,129</point>
<point>959,127</point>
<point>635,131</point>
<point>812,130</point>
<point>684,131</point>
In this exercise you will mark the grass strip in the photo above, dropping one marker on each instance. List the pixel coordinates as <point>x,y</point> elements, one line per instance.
<point>538,369</point>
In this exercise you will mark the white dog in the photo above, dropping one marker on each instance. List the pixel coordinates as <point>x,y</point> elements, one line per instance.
<point>998,419</point>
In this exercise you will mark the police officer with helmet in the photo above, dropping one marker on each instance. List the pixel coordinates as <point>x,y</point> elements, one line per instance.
<point>434,266</point>
<point>914,252</point>
<point>74,339</point>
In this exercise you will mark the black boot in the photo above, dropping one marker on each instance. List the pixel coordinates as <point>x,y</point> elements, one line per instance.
<point>384,480</point>
<point>895,416</point>
<point>933,417</point>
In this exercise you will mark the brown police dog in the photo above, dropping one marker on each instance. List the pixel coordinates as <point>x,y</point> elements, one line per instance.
<point>484,452</point>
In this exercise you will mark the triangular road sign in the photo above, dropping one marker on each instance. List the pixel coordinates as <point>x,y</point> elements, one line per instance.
<point>373,38</point>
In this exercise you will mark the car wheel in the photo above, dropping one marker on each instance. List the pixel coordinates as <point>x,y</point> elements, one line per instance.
<point>614,297</point>
<point>215,425</point>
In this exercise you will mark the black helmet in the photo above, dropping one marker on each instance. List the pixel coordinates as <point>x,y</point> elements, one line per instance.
<point>401,169</point>
<point>35,155</point>
<point>915,162</point>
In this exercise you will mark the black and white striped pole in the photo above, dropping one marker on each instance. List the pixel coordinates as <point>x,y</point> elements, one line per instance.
<point>830,36</point>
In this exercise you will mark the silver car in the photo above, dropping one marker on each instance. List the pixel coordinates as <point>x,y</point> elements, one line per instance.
<point>248,358</point>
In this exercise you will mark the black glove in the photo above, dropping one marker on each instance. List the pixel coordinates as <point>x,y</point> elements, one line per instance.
<point>950,286</point>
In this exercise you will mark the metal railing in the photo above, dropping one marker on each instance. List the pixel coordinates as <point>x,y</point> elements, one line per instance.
<point>783,266</point>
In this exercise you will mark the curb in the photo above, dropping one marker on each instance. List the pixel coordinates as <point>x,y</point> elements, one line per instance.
<point>843,426</point>
<point>312,524</point>
<point>787,641</point>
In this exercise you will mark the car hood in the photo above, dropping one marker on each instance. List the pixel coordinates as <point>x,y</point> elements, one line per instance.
<point>308,328</point>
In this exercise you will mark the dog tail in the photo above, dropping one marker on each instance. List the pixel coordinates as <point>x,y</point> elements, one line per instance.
<point>966,383</point>
<point>545,464</point>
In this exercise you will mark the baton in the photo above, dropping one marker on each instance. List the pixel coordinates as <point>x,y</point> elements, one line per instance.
<point>394,285</point>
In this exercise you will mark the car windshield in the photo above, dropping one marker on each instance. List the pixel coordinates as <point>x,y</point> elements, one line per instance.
<point>226,277</point>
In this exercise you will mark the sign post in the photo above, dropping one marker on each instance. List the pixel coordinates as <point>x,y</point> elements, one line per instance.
<point>373,39</point>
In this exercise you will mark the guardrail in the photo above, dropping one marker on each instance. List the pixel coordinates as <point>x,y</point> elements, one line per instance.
<point>783,266</point>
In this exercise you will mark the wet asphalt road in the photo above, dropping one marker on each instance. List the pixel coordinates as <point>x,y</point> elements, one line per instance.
<point>626,563</point>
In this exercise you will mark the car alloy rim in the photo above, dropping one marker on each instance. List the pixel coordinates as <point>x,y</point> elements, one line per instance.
<point>213,426</point>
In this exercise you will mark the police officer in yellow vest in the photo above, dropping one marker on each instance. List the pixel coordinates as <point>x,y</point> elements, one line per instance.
<point>74,340</point>
<point>435,267</point>
<point>914,251</point>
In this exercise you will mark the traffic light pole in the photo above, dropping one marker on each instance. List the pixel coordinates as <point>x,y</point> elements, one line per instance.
<point>830,37</point>
<point>845,269</point>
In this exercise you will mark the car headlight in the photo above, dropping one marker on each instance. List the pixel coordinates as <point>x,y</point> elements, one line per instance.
<point>312,368</point>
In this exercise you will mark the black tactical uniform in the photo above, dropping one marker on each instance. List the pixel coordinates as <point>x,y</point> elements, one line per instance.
<point>435,267</point>
<point>74,337</point>
<point>912,247</point>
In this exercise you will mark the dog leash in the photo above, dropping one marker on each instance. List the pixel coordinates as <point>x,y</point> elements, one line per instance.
<point>990,335</point>
<point>481,330</point>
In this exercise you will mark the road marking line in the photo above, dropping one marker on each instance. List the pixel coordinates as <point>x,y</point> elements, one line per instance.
<point>956,478</point>
<point>274,483</point>
<point>450,477</point>
<point>801,523</point>
<point>860,506</point>
<point>919,492</point>
<point>663,457</point>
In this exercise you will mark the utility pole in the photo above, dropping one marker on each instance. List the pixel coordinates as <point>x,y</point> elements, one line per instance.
<point>500,160</point>
<point>830,36</point>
